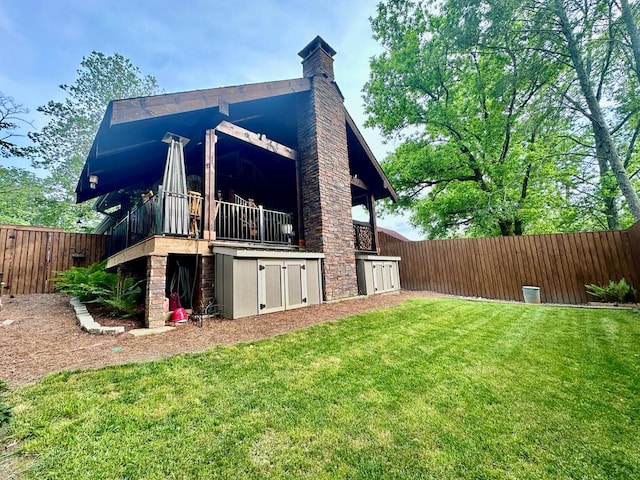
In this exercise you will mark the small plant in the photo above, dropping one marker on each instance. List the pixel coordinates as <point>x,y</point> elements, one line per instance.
<point>123,299</point>
<point>86,283</point>
<point>615,292</point>
<point>5,410</point>
<point>94,284</point>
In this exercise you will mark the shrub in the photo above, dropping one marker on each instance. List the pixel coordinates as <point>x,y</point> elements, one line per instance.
<point>5,410</point>
<point>617,292</point>
<point>122,301</point>
<point>86,283</point>
<point>94,284</point>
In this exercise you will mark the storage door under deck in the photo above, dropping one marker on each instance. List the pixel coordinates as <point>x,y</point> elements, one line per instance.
<point>282,285</point>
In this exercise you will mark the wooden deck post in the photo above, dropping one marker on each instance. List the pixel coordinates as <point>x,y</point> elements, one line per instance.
<point>373,221</point>
<point>209,227</point>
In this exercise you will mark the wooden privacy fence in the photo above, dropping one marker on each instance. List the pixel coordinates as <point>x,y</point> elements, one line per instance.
<point>29,256</point>
<point>561,264</point>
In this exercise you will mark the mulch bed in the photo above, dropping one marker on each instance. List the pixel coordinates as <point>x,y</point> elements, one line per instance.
<point>101,314</point>
<point>44,337</point>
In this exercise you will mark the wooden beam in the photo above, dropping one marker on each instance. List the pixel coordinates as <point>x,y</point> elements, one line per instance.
<point>259,140</point>
<point>159,245</point>
<point>223,107</point>
<point>209,224</point>
<point>373,221</point>
<point>103,153</point>
<point>359,183</point>
<point>143,108</point>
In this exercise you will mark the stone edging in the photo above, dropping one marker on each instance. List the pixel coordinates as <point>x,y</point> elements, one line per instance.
<point>87,322</point>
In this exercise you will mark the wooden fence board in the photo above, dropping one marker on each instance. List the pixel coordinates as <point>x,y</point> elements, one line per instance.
<point>484,288</point>
<point>633,247</point>
<point>29,256</point>
<point>559,264</point>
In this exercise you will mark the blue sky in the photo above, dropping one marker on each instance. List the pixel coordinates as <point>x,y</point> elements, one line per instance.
<point>187,45</point>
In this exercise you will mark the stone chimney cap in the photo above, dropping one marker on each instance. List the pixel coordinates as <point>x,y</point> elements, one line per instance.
<point>317,42</point>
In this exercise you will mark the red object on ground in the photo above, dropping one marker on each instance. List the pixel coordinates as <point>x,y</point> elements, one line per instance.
<point>179,314</point>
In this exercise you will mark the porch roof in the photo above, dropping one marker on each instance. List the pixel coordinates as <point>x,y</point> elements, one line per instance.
<point>127,151</point>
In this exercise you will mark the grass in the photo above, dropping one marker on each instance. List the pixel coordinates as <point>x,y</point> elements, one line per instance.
<point>428,389</point>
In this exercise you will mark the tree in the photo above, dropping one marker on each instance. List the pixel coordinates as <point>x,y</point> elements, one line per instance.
<point>21,199</point>
<point>504,108</point>
<point>11,117</point>
<point>461,91</point>
<point>20,196</point>
<point>64,142</point>
<point>605,146</point>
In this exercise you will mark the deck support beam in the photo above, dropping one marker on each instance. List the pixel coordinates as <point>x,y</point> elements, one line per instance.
<point>209,227</point>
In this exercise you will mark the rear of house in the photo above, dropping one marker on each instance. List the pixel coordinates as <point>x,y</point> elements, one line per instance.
<point>239,199</point>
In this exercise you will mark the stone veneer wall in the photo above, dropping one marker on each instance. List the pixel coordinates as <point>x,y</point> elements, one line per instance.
<point>326,180</point>
<point>155,294</point>
<point>204,291</point>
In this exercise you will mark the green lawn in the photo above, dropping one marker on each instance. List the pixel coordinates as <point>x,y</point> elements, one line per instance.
<point>429,389</point>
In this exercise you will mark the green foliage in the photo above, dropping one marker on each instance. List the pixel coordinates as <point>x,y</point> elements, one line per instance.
<point>616,292</point>
<point>86,283</point>
<point>467,98</point>
<point>443,389</point>
<point>94,284</point>
<point>5,410</point>
<point>21,197</point>
<point>122,299</point>
<point>494,130</point>
<point>62,145</point>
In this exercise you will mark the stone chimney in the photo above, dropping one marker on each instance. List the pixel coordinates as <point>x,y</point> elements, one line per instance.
<point>324,171</point>
<point>317,59</point>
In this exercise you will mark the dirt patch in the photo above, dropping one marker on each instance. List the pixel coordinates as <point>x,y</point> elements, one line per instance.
<point>44,337</point>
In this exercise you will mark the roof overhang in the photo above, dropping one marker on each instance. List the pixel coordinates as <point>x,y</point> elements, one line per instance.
<point>128,150</point>
<point>370,177</point>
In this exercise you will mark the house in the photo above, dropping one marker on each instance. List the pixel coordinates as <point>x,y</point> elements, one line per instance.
<point>240,198</point>
<point>393,234</point>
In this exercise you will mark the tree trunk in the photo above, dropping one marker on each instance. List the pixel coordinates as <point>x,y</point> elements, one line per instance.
<point>506,228</point>
<point>608,196</point>
<point>602,135</point>
<point>632,29</point>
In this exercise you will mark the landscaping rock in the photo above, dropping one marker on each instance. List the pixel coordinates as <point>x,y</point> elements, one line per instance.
<point>87,322</point>
<point>140,332</point>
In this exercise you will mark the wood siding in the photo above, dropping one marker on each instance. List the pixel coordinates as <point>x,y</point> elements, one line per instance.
<point>30,256</point>
<point>561,264</point>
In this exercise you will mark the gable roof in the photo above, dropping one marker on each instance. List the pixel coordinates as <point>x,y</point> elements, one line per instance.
<point>128,150</point>
<point>143,108</point>
<point>393,234</point>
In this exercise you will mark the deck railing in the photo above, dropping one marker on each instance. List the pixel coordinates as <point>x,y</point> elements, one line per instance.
<point>169,213</point>
<point>252,223</point>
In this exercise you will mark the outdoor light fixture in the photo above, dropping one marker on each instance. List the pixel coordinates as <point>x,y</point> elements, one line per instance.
<point>93,181</point>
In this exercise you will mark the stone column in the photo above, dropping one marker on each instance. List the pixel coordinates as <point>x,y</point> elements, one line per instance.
<point>204,290</point>
<point>156,287</point>
<point>324,170</point>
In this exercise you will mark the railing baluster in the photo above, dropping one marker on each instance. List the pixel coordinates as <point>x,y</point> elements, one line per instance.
<point>262,233</point>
